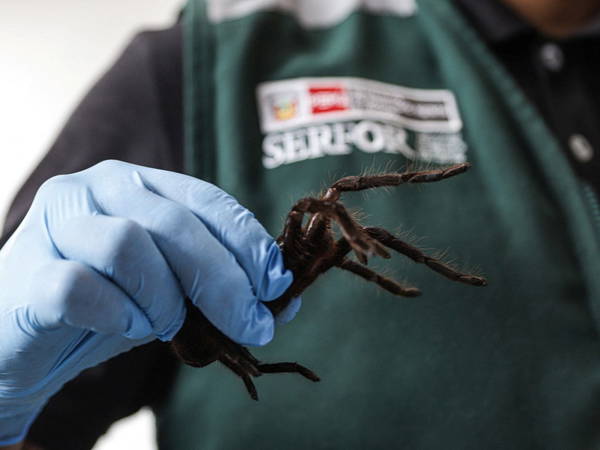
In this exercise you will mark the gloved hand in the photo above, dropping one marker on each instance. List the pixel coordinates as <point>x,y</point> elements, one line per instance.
<point>102,262</point>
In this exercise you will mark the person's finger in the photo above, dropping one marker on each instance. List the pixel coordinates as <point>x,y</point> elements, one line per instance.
<point>68,292</point>
<point>122,251</point>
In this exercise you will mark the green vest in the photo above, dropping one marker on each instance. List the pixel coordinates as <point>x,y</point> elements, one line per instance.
<point>280,102</point>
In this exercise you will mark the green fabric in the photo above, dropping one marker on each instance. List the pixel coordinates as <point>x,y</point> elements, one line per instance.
<point>513,365</point>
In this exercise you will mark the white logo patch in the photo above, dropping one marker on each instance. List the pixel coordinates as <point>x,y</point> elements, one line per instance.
<point>307,118</point>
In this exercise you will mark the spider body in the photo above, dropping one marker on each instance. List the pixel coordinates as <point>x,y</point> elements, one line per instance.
<point>310,250</point>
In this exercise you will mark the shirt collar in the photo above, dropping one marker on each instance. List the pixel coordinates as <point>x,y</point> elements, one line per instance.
<point>498,23</point>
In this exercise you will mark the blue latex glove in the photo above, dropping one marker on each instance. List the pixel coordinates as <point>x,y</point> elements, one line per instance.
<point>102,263</point>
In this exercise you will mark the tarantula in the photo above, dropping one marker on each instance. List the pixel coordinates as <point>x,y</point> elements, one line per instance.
<point>309,251</point>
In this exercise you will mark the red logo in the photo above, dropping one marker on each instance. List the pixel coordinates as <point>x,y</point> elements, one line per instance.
<point>324,99</point>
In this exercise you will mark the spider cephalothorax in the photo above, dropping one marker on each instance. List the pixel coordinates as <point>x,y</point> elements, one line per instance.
<point>310,250</point>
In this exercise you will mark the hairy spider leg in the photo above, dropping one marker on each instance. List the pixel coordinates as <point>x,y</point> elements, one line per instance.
<point>289,367</point>
<point>391,241</point>
<point>282,367</point>
<point>361,243</point>
<point>240,356</point>
<point>363,182</point>
<point>388,284</point>
<point>248,368</point>
<point>299,244</point>
<point>242,372</point>
<point>291,239</point>
<point>340,260</point>
<point>240,361</point>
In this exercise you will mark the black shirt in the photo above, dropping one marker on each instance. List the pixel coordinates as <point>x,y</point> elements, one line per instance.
<point>134,113</point>
<point>559,76</point>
